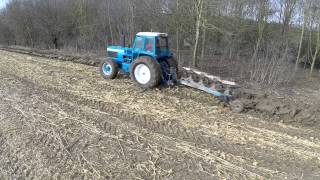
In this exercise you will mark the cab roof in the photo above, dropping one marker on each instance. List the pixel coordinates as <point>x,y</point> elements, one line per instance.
<point>154,34</point>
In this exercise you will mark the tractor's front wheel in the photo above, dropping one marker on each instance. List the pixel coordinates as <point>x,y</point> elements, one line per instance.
<point>109,69</point>
<point>146,72</point>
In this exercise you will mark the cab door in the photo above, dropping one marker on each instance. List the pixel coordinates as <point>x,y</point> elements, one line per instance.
<point>162,47</point>
<point>144,45</point>
<point>150,46</point>
<point>138,45</point>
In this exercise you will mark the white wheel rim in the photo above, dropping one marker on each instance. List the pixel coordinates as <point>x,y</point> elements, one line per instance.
<point>142,74</point>
<point>107,69</point>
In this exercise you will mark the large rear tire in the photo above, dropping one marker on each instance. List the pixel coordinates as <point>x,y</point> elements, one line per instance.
<point>109,69</point>
<point>173,64</point>
<point>146,72</point>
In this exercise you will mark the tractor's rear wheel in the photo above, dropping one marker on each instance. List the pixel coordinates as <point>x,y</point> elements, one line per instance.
<point>173,64</point>
<point>109,69</point>
<point>146,72</point>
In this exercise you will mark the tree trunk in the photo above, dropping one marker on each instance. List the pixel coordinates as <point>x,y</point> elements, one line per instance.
<point>316,52</point>
<point>109,21</point>
<point>204,34</point>
<point>178,35</point>
<point>198,26</point>
<point>132,23</point>
<point>178,44</point>
<point>261,29</point>
<point>55,42</point>
<point>288,13</point>
<point>305,19</point>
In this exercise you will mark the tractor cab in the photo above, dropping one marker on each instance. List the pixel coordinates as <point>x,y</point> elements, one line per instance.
<point>149,62</point>
<point>152,44</point>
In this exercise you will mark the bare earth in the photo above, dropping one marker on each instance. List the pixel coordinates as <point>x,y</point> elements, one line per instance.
<point>62,120</point>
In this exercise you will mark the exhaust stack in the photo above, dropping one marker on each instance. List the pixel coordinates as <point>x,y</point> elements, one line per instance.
<point>122,40</point>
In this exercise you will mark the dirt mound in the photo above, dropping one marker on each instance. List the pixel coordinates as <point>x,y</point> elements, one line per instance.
<point>279,108</point>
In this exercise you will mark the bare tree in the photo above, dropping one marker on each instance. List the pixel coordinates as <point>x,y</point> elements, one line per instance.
<point>240,35</point>
<point>305,17</point>
<point>316,53</point>
<point>199,18</point>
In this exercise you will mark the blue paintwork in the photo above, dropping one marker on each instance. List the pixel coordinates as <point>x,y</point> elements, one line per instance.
<point>126,56</point>
<point>126,67</point>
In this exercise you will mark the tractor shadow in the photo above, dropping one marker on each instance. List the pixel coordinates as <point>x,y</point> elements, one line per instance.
<point>123,76</point>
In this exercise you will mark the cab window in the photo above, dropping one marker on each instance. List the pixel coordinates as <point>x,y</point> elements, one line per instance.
<point>162,43</point>
<point>138,42</point>
<point>149,44</point>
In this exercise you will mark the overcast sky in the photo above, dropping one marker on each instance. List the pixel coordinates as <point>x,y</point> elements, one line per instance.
<point>3,3</point>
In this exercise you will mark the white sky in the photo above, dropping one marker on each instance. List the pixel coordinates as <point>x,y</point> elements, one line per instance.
<point>3,3</point>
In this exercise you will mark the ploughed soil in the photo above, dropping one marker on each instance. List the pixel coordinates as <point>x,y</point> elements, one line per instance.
<point>297,103</point>
<point>60,119</point>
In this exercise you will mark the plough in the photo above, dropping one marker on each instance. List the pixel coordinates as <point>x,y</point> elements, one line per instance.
<point>151,63</point>
<point>222,89</point>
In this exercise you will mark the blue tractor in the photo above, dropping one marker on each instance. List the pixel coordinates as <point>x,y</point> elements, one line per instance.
<point>149,62</point>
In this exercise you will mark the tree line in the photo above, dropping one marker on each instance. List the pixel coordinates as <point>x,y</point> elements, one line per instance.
<point>260,40</point>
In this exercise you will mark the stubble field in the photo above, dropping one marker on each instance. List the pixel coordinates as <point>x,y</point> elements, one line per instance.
<point>62,120</point>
